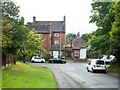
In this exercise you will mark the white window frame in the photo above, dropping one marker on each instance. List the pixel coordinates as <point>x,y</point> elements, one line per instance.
<point>56,34</point>
<point>56,42</point>
<point>76,53</point>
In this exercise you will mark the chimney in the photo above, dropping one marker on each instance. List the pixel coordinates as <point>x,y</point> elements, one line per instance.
<point>64,19</point>
<point>34,18</point>
<point>64,23</point>
<point>78,34</point>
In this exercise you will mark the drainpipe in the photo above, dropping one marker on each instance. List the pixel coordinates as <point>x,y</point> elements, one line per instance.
<point>60,43</point>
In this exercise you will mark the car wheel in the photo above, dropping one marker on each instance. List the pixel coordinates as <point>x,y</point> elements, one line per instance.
<point>105,71</point>
<point>52,61</point>
<point>63,62</point>
<point>32,61</point>
<point>42,61</point>
<point>93,70</point>
<point>87,69</point>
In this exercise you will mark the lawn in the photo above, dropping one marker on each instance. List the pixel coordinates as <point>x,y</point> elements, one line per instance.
<point>114,68</point>
<point>89,59</point>
<point>27,76</point>
<point>0,79</point>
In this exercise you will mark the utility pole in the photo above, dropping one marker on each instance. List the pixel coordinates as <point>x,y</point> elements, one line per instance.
<point>50,35</point>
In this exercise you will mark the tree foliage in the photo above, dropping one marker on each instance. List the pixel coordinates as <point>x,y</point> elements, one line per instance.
<point>103,20</point>
<point>70,37</point>
<point>115,31</point>
<point>16,37</point>
<point>9,10</point>
<point>85,37</point>
<point>105,39</point>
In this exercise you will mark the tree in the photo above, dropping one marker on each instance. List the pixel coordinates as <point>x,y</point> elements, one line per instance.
<point>10,11</point>
<point>30,46</point>
<point>70,37</point>
<point>103,17</point>
<point>10,17</point>
<point>6,38</point>
<point>115,31</point>
<point>85,37</point>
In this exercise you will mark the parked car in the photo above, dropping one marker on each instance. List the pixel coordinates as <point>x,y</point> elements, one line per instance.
<point>108,63</point>
<point>37,59</point>
<point>57,60</point>
<point>96,65</point>
<point>108,60</point>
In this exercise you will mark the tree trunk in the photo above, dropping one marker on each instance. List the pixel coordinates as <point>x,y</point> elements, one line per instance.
<point>14,59</point>
<point>23,58</point>
<point>3,60</point>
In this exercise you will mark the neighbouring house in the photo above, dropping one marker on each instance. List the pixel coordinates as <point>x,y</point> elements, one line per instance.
<point>76,49</point>
<point>53,34</point>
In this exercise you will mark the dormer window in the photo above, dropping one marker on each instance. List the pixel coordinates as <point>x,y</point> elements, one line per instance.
<point>56,34</point>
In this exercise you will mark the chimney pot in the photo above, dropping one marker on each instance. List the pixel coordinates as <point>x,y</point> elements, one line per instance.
<point>78,34</point>
<point>64,18</point>
<point>34,18</point>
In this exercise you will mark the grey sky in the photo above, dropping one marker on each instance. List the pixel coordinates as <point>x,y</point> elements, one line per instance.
<point>77,13</point>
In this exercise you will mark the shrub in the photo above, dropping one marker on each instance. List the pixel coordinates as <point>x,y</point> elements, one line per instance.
<point>61,57</point>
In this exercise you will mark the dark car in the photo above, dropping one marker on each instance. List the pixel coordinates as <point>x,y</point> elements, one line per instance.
<point>57,60</point>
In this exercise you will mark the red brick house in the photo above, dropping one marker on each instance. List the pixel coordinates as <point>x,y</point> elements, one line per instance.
<point>76,49</point>
<point>53,34</point>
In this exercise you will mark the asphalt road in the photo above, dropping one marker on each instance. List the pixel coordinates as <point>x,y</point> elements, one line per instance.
<point>75,75</point>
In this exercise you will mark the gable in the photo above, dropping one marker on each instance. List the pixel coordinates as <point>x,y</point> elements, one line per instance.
<point>78,43</point>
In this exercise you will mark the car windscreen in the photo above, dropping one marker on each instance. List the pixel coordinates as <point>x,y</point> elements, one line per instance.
<point>36,57</point>
<point>99,62</point>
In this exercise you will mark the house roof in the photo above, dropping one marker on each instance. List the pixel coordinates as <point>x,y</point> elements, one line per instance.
<point>40,28</point>
<point>46,26</point>
<point>78,43</point>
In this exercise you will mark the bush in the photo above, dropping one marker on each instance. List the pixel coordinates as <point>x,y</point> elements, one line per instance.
<point>61,57</point>
<point>48,56</point>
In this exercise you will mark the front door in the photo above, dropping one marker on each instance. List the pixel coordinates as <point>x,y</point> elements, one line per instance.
<point>55,54</point>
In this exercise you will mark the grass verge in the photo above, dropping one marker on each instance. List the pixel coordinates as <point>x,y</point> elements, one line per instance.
<point>0,79</point>
<point>89,59</point>
<point>114,68</point>
<point>27,76</point>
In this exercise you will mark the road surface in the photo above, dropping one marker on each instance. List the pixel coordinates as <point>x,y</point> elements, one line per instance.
<point>75,75</point>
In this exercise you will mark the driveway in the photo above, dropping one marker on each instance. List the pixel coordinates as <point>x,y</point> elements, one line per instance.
<point>75,75</point>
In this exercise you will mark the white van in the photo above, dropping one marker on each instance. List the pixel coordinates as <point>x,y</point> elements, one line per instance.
<point>108,60</point>
<point>96,65</point>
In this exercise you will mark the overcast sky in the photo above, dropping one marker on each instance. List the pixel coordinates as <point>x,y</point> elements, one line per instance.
<point>77,13</point>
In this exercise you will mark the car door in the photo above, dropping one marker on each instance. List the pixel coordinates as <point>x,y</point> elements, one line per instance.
<point>37,59</point>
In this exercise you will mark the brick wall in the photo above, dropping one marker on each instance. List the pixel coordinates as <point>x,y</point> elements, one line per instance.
<point>60,37</point>
<point>46,38</point>
<point>77,56</point>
